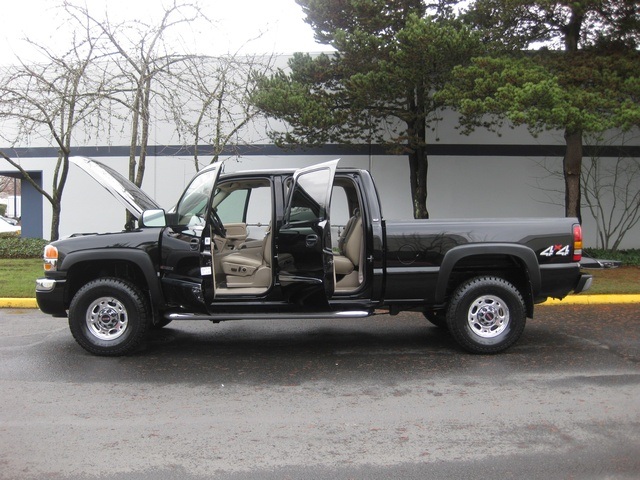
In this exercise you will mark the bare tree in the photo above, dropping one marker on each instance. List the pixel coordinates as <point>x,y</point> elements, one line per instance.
<point>5,183</point>
<point>140,58</point>
<point>210,104</point>
<point>51,100</point>
<point>610,187</point>
<point>611,190</point>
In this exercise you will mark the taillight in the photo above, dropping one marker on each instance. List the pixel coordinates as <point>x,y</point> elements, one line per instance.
<point>50,258</point>
<point>577,242</point>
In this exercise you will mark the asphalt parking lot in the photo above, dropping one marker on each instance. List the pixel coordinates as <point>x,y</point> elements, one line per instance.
<point>384,397</point>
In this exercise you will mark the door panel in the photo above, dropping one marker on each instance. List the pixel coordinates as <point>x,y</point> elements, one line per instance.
<point>236,231</point>
<point>183,267</point>
<point>304,239</point>
<point>180,268</point>
<point>209,231</point>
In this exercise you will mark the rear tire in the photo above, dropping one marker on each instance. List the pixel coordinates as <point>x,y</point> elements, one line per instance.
<point>486,315</point>
<point>109,317</point>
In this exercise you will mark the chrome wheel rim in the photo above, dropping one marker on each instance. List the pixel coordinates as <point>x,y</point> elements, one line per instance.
<point>107,318</point>
<point>488,316</point>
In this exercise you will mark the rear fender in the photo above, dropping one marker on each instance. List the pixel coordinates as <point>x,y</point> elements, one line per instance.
<point>522,254</point>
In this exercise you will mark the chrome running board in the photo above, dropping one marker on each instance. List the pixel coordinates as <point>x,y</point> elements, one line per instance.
<point>264,316</point>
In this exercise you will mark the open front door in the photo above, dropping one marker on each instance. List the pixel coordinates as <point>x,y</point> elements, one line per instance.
<point>194,208</point>
<point>304,239</point>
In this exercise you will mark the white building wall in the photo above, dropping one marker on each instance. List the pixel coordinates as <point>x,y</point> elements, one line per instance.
<point>459,187</point>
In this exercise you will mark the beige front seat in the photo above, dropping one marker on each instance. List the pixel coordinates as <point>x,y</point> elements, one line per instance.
<point>350,247</point>
<point>249,270</point>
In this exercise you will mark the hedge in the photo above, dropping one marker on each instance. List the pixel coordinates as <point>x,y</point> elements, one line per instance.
<point>12,246</point>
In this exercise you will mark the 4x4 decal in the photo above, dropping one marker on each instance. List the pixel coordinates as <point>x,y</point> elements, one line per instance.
<point>562,250</point>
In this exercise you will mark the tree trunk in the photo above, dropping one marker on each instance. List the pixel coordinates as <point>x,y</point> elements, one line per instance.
<point>144,138</point>
<point>418,167</point>
<point>59,180</point>
<point>418,158</point>
<point>133,146</point>
<point>55,221</point>
<point>572,165</point>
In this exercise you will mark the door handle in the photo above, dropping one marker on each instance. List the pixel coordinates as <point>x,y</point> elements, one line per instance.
<point>311,240</point>
<point>194,244</point>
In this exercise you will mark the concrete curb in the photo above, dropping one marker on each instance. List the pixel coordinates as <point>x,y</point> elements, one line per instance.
<point>570,300</point>
<point>594,300</point>
<point>18,303</point>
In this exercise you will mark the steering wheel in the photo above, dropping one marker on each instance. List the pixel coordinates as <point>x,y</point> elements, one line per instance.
<point>217,224</point>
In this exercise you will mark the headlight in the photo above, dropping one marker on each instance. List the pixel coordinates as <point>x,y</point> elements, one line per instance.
<point>50,258</point>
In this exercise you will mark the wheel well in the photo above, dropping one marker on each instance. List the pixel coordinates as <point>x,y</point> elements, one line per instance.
<point>508,267</point>
<point>84,272</point>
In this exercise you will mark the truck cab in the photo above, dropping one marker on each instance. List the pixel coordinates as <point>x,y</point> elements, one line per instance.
<point>253,243</point>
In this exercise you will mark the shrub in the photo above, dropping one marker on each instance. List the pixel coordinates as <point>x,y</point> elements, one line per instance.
<point>12,246</point>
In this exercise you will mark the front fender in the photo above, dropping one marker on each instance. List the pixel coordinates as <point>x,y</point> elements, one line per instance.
<point>137,257</point>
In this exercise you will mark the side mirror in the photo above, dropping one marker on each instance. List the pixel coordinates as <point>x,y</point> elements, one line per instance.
<point>153,218</point>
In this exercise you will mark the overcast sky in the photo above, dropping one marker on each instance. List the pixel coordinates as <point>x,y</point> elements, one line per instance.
<point>278,23</point>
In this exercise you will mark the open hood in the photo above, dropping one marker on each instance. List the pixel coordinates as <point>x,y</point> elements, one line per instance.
<point>124,190</point>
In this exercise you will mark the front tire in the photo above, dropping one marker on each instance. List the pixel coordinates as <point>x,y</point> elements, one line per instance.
<point>486,315</point>
<point>109,317</point>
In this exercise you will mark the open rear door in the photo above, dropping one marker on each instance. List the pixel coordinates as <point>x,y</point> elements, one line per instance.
<point>304,239</point>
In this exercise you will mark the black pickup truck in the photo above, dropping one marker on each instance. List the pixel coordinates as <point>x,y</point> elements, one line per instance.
<point>259,244</point>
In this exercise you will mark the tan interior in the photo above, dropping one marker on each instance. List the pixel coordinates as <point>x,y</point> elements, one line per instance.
<point>245,267</point>
<point>347,262</point>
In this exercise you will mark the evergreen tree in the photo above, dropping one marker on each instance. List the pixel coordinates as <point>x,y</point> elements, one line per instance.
<point>565,65</point>
<point>391,57</point>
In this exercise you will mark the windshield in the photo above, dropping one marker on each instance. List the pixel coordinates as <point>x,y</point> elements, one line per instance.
<point>192,207</point>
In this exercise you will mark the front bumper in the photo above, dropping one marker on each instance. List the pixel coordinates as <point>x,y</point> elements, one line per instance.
<point>50,295</point>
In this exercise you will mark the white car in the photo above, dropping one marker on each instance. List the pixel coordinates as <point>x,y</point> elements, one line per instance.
<point>12,221</point>
<point>7,227</point>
